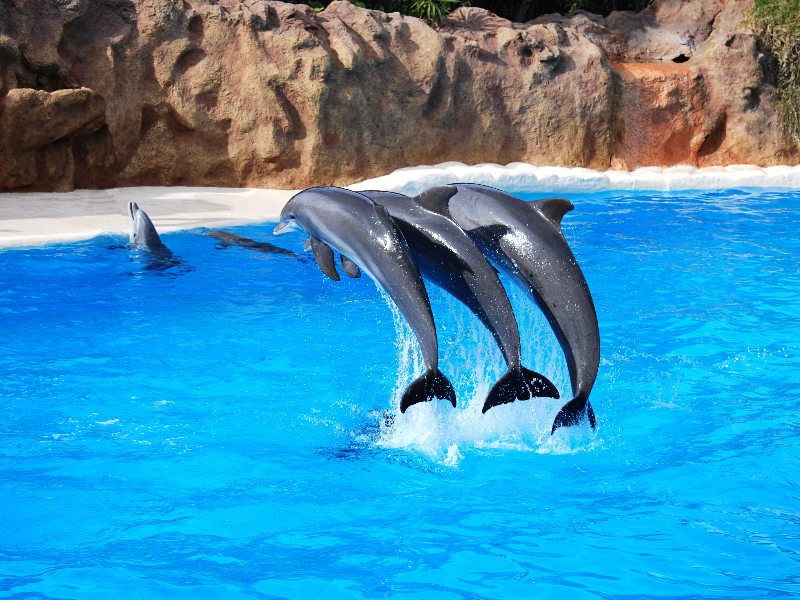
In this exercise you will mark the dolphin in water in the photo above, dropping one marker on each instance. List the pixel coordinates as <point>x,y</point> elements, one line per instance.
<point>448,257</point>
<point>144,236</point>
<point>226,239</point>
<point>368,239</point>
<point>142,229</point>
<point>525,240</point>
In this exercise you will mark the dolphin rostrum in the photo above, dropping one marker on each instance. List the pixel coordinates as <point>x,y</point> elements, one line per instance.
<point>142,229</point>
<point>525,240</point>
<point>369,240</point>
<point>448,257</point>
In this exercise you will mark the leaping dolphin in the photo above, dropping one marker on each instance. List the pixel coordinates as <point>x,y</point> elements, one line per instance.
<point>525,240</point>
<point>368,239</point>
<point>448,257</point>
<point>142,229</point>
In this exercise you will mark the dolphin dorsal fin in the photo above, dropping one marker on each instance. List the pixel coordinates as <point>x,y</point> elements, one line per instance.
<point>437,199</point>
<point>324,256</point>
<point>383,215</point>
<point>553,209</point>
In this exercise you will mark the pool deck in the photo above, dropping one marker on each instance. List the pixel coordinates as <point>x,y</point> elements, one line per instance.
<point>39,218</point>
<point>29,219</point>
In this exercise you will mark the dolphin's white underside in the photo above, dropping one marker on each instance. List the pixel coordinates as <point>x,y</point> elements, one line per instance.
<point>39,218</point>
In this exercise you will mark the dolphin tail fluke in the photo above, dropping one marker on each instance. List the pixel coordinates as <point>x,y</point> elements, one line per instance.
<point>573,413</point>
<point>519,385</point>
<point>431,384</point>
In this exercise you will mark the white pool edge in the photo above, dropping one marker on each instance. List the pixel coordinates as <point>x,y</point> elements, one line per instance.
<point>519,177</point>
<point>29,219</point>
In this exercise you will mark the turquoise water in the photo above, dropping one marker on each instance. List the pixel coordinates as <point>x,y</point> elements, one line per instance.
<point>221,423</point>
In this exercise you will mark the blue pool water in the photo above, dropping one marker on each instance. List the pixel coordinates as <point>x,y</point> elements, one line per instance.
<point>219,424</point>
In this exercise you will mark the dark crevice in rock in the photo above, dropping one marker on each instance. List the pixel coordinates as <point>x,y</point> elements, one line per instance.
<point>752,98</point>
<point>714,140</point>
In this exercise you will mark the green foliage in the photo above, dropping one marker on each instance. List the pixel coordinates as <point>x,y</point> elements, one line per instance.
<point>432,10</point>
<point>776,24</point>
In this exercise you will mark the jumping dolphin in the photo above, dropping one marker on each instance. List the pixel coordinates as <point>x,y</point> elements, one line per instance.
<point>525,240</point>
<point>368,239</point>
<point>142,229</point>
<point>448,257</point>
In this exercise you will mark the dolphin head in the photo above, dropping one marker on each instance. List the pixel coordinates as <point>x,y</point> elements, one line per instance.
<point>142,229</point>
<point>288,218</point>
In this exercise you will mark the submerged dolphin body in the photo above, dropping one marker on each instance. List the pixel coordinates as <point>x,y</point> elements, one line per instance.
<point>226,239</point>
<point>368,240</point>
<point>448,257</point>
<point>142,229</point>
<point>525,240</point>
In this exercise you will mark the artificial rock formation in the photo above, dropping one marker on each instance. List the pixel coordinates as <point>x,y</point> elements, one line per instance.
<point>100,93</point>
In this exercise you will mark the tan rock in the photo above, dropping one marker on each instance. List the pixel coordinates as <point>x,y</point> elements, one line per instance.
<point>37,129</point>
<point>267,94</point>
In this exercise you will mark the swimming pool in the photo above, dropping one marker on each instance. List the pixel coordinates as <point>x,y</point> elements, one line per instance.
<point>221,424</point>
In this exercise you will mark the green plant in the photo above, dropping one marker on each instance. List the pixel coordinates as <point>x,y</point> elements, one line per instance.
<point>432,10</point>
<point>776,24</point>
<point>317,6</point>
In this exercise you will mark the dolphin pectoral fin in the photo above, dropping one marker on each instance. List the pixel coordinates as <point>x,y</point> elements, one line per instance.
<point>519,385</point>
<point>430,385</point>
<point>572,413</point>
<point>350,267</point>
<point>307,245</point>
<point>437,199</point>
<point>553,209</point>
<point>324,256</point>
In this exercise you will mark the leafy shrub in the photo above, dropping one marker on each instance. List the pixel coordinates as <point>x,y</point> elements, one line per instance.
<point>433,10</point>
<point>776,24</point>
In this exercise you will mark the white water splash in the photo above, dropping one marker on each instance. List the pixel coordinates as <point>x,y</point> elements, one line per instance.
<point>470,358</point>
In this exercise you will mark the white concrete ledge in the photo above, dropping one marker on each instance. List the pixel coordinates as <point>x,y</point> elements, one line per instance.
<point>39,218</point>
<point>522,177</point>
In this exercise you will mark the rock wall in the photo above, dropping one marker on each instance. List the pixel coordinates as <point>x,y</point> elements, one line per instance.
<point>101,93</point>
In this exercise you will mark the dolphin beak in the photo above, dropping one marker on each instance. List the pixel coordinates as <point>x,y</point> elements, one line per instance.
<point>284,227</point>
<point>132,208</point>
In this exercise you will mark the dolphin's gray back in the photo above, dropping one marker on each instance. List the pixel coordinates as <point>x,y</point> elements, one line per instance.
<point>363,232</point>
<point>446,255</point>
<point>531,248</point>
